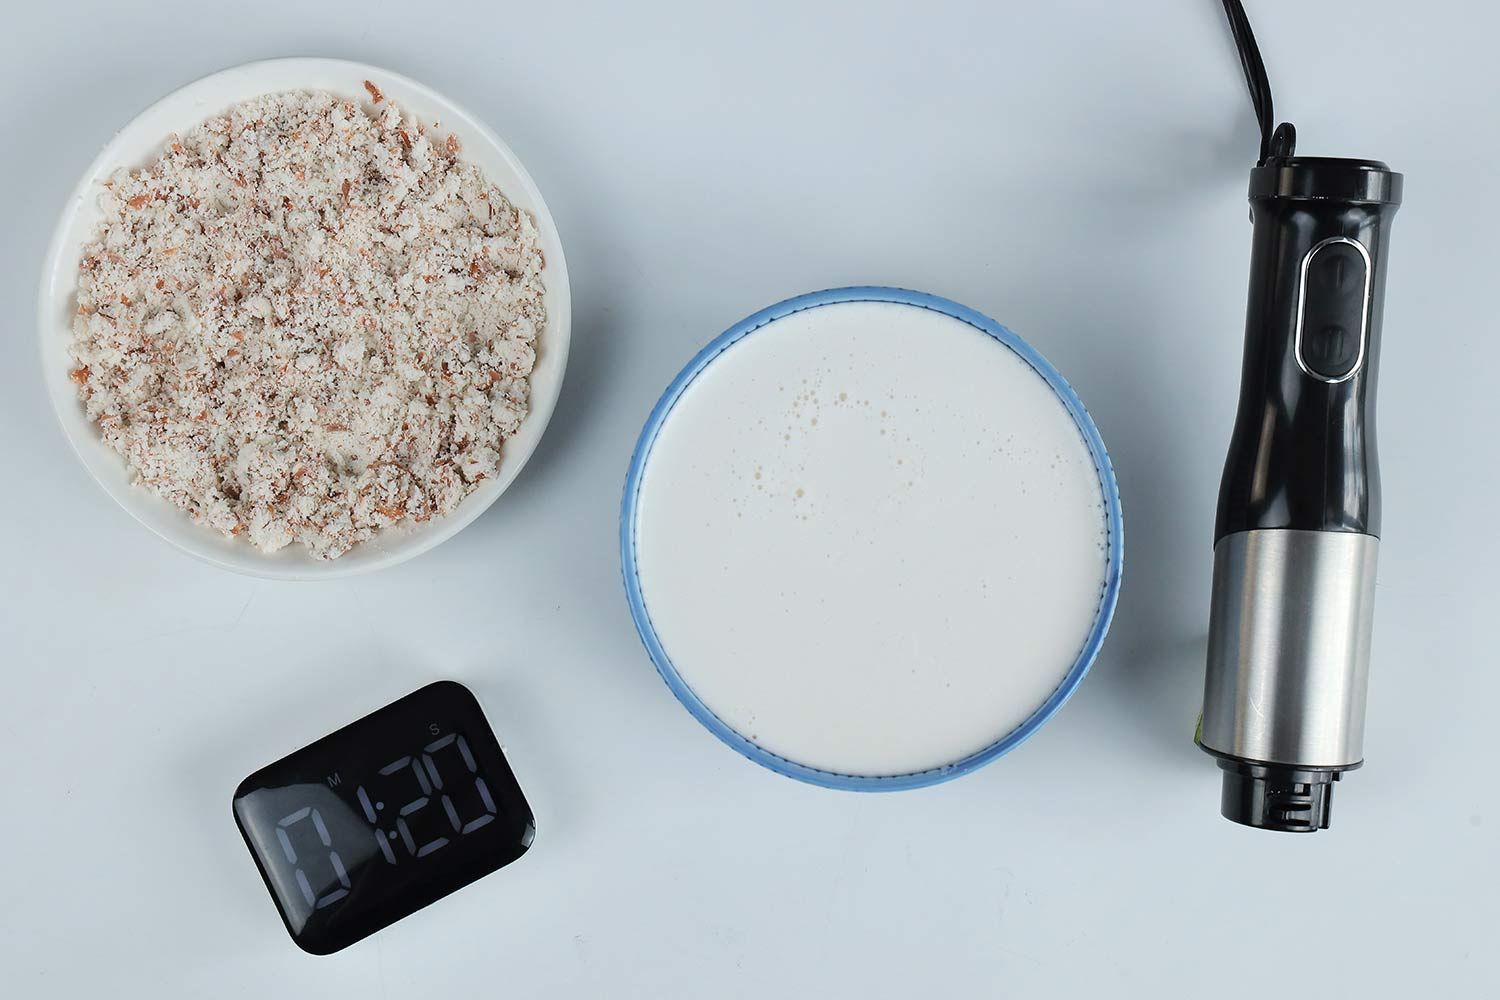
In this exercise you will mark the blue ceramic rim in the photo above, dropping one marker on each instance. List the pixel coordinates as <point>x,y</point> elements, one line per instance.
<point>700,711</point>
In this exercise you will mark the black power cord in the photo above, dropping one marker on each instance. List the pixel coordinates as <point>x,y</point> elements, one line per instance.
<point>1283,140</point>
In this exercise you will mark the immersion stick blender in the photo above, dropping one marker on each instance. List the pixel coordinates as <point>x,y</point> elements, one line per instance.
<point>1299,505</point>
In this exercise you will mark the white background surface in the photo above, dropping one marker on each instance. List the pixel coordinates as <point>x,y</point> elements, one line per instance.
<point>1076,170</point>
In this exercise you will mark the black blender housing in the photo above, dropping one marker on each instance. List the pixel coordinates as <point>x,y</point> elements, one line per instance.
<point>1310,463</point>
<point>1302,455</point>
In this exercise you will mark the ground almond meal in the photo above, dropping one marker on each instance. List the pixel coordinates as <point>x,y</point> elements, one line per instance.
<point>308,321</point>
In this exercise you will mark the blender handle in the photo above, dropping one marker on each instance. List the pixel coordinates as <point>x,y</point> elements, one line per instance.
<point>1303,455</point>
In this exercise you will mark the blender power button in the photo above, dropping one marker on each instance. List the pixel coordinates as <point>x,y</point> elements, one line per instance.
<point>1330,351</point>
<point>1333,311</point>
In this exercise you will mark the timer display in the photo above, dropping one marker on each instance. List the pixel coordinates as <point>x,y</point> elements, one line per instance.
<point>383,817</point>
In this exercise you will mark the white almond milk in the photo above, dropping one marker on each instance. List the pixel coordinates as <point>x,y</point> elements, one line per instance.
<point>871,538</point>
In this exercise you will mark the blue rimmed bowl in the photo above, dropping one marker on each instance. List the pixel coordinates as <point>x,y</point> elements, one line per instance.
<point>653,642</point>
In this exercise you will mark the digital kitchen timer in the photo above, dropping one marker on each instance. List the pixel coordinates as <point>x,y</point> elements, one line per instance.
<point>388,814</point>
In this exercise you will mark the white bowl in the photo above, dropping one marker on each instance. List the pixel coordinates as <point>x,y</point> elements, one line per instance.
<point>137,145</point>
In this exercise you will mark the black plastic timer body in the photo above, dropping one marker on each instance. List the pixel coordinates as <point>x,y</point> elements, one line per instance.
<point>383,817</point>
